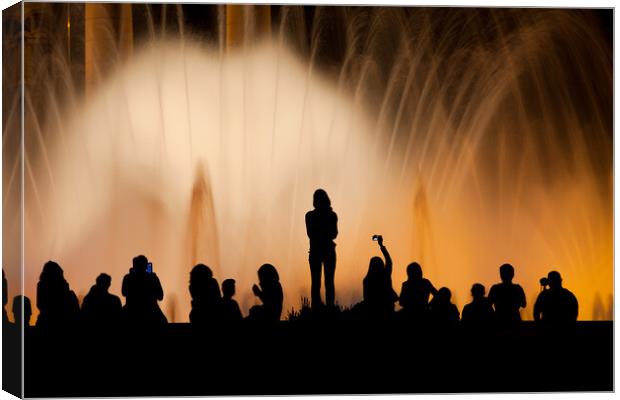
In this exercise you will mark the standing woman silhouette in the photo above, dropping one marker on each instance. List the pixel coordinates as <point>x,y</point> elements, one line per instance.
<point>322,229</point>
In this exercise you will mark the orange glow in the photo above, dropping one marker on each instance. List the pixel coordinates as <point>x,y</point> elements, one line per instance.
<point>187,154</point>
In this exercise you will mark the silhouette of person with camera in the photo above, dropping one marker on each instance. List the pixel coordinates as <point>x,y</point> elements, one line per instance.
<point>379,295</point>
<point>269,291</point>
<point>322,229</point>
<point>230,309</point>
<point>206,296</point>
<point>57,303</point>
<point>507,297</point>
<point>142,291</point>
<point>555,305</point>
<point>415,293</point>
<point>100,308</point>
<point>479,311</point>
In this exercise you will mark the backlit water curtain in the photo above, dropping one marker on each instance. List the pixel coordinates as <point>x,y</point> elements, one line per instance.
<point>467,138</point>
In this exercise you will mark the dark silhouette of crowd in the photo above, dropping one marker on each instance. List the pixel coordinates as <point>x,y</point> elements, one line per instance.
<point>212,305</point>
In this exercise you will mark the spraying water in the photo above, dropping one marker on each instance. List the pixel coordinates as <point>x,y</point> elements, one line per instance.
<point>468,138</point>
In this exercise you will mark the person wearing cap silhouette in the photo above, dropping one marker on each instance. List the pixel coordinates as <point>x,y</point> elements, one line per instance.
<point>556,305</point>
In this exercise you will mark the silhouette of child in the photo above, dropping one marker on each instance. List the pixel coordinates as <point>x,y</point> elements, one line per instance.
<point>322,229</point>
<point>100,307</point>
<point>230,309</point>
<point>415,292</point>
<point>441,309</point>
<point>206,296</point>
<point>479,311</point>
<point>17,310</point>
<point>507,297</point>
<point>556,305</point>
<point>269,291</point>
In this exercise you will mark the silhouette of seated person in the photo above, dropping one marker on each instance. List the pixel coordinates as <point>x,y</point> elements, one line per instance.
<point>142,291</point>
<point>5,298</point>
<point>322,229</point>
<point>479,311</point>
<point>100,308</point>
<point>22,315</point>
<point>269,291</point>
<point>556,305</point>
<point>57,303</point>
<point>441,309</point>
<point>206,296</point>
<point>379,295</point>
<point>415,293</point>
<point>231,313</point>
<point>507,297</point>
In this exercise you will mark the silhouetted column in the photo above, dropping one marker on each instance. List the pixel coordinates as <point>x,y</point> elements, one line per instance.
<point>245,23</point>
<point>108,38</point>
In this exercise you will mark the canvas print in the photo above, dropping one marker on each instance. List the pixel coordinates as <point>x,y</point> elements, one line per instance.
<point>242,199</point>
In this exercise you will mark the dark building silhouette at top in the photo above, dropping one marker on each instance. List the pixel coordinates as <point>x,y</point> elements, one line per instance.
<point>322,229</point>
<point>415,293</point>
<point>556,305</point>
<point>99,307</point>
<point>57,303</point>
<point>507,297</point>
<point>206,296</point>
<point>142,291</point>
<point>379,295</point>
<point>479,311</point>
<point>269,291</point>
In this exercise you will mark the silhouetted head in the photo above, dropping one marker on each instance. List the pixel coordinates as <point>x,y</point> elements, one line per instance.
<point>477,291</point>
<point>139,263</point>
<point>17,309</point>
<point>267,273</point>
<point>506,272</point>
<point>51,272</point>
<point>228,288</point>
<point>555,280</point>
<point>104,281</point>
<point>444,295</point>
<point>375,267</point>
<point>414,271</point>
<point>200,272</point>
<point>321,200</point>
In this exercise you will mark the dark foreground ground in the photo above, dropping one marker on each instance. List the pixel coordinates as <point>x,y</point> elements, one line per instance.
<point>309,357</point>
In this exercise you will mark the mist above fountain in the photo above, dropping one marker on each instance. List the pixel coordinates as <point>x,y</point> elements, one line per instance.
<point>465,143</point>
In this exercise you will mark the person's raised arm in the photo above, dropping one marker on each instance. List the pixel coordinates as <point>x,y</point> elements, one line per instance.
<point>258,293</point>
<point>386,254</point>
<point>432,289</point>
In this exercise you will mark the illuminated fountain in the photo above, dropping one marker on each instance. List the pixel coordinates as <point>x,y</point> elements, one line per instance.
<point>466,144</point>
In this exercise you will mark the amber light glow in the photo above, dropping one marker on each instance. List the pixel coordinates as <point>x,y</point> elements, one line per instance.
<point>471,155</point>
